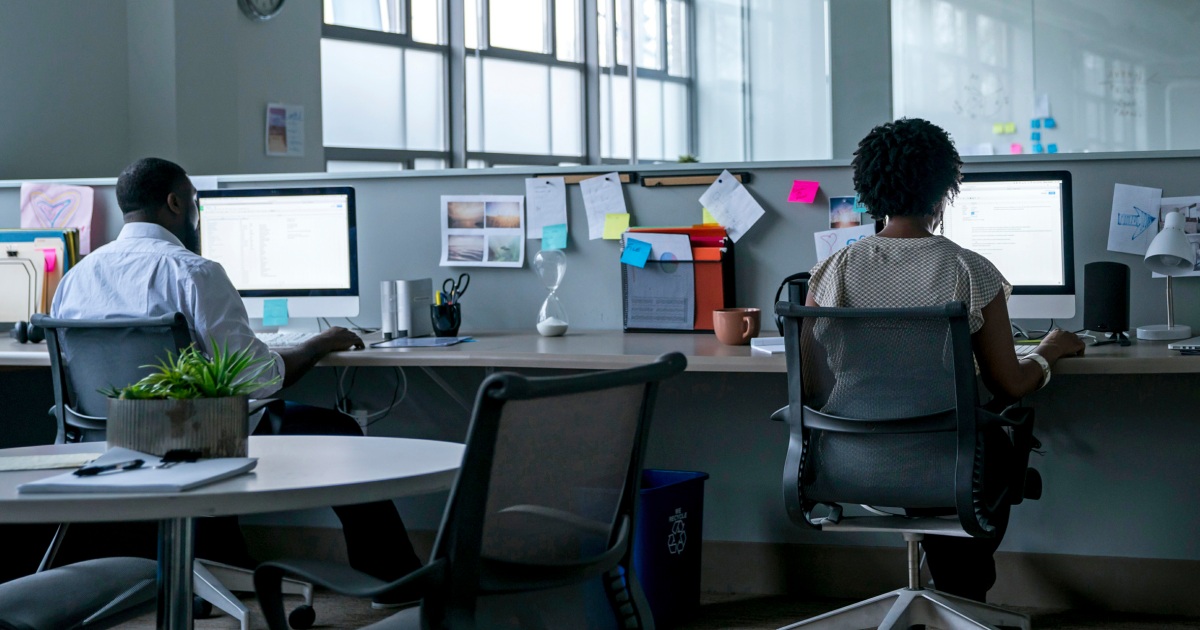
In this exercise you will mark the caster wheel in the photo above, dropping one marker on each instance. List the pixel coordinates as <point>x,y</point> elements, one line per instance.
<point>302,617</point>
<point>201,609</point>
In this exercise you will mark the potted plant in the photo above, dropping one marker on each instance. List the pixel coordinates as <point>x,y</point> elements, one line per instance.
<point>190,401</point>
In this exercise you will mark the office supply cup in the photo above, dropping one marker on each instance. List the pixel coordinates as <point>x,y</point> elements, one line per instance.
<point>736,326</point>
<point>446,319</point>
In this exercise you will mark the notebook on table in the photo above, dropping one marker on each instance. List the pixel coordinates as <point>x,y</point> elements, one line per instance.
<point>149,476</point>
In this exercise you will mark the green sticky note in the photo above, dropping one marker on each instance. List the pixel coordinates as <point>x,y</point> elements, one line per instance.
<point>708,217</point>
<point>1010,127</point>
<point>998,128</point>
<point>554,236</point>
<point>275,312</point>
<point>615,225</point>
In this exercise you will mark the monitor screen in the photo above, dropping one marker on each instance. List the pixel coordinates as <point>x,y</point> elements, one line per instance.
<point>1021,222</point>
<point>293,243</point>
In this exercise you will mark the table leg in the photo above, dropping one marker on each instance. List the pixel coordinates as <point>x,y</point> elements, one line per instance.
<point>176,553</point>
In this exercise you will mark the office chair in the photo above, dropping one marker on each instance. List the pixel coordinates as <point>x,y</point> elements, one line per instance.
<point>87,356</point>
<point>883,411</point>
<point>545,498</point>
<point>104,593</point>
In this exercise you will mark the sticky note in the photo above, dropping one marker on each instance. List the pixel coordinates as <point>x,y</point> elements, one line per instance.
<point>1037,135</point>
<point>554,236</point>
<point>803,191</point>
<point>1010,127</point>
<point>1015,148</point>
<point>1037,148</point>
<point>858,204</point>
<point>1052,148</point>
<point>1050,124</point>
<point>615,225</point>
<point>1036,123</point>
<point>51,259</point>
<point>997,128</point>
<point>636,252</point>
<point>708,217</point>
<point>275,312</point>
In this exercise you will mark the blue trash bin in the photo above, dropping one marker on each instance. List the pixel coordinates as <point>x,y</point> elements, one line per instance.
<point>666,551</point>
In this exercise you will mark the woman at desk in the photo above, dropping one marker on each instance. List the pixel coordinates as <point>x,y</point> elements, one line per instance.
<point>906,172</point>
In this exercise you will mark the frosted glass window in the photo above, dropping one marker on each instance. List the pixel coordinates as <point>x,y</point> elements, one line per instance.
<point>428,164</point>
<point>361,166</point>
<point>566,16</point>
<point>425,100</point>
<point>604,9</point>
<point>518,25</point>
<point>614,117</point>
<point>649,34</point>
<point>471,13</point>
<point>361,95</point>
<point>375,15</point>
<point>476,164</point>
<point>676,120</point>
<point>649,119</point>
<point>677,40</point>
<point>566,111</point>
<point>516,107</point>
<point>427,21</point>
<point>474,111</point>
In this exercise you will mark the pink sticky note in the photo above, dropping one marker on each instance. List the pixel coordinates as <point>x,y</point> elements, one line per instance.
<point>51,258</point>
<point>1015,148</point>
<point>803,192</point>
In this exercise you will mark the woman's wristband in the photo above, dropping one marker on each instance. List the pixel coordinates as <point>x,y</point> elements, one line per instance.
<point>1043,363</point>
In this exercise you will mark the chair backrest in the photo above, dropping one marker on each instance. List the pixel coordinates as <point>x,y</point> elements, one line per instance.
<point>882,409</point>
<point>88,355</point>
<point>547,492</point>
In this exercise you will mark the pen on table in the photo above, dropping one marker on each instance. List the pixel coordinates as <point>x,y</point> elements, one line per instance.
<point>88,471</point>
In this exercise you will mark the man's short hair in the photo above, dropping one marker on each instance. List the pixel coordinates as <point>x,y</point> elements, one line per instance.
<point>145,184</point>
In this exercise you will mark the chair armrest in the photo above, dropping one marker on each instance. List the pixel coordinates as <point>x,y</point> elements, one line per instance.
<point>339,578</point>
<point>1011,417</point>
<point>781,414</point>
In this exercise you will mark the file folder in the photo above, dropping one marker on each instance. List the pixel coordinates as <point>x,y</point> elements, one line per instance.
<point>713,271</point>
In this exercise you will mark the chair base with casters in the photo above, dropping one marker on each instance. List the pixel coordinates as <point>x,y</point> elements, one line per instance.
<point>914,604</point>
<point>214,582</point>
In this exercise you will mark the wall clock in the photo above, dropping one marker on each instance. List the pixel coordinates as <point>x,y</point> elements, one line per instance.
<point>260,9</point>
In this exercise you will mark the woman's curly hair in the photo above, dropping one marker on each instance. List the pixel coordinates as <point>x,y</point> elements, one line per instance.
<point>906,168</point>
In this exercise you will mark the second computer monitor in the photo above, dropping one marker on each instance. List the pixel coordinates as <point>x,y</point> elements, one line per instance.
<point>1021,222</point>
<point>298,244</point>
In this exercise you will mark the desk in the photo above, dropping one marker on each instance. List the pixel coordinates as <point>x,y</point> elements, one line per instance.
<point>353,470</point>
<point>610,349</point>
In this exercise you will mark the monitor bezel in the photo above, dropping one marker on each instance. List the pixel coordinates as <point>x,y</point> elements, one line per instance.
<point>351,231</point>
<point>1068,231</point>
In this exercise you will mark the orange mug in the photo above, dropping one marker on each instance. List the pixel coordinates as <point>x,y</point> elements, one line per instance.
<point>736,326</point>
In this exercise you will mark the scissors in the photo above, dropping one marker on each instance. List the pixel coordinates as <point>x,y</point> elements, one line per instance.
<point>453,289</point>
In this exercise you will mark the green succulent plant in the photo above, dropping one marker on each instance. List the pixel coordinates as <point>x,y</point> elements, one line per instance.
<point>191,374</point>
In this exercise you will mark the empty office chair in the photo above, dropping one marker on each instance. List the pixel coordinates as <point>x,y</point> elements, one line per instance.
<point>101,594</point>
<point>883,412</point>
<point>545,499</point>
<point>87,356</point>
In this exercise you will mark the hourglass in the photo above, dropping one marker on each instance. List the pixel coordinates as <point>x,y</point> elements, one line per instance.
<point>551,265</point>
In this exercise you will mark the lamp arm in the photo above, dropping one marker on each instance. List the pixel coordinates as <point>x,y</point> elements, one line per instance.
<point>1170,305</point>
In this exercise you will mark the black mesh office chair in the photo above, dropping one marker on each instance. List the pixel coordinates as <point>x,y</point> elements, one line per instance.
<point>883,411</point>
<point>102,593</point>
<point>87,356</point>
<point>545,499</point>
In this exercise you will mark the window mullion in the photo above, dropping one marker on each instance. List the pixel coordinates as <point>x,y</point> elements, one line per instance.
<point>591,83</point>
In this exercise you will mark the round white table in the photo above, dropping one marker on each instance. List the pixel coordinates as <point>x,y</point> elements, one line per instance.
<point>293,472</point>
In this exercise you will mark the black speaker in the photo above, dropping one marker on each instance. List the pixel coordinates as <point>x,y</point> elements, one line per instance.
<point>24,332</point>
<point>1106,297</point>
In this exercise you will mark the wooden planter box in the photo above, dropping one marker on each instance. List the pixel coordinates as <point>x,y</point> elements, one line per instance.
<point>216,427</point>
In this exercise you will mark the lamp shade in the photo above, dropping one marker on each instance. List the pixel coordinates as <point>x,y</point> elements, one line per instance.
<point>1170,253</point>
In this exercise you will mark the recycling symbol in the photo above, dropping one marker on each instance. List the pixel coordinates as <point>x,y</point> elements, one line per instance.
<point>678,538</point>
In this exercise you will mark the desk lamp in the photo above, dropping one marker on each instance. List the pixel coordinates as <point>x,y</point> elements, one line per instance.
<point>1170,254</point>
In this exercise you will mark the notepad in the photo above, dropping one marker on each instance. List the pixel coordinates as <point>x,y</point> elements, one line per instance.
<point>148,478</point>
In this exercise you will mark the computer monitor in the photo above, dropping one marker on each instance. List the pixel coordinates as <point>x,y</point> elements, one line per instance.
<point>294,243</point>
<point>1021,222</point>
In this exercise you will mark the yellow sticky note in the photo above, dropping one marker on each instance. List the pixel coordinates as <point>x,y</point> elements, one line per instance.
<point>708,217</point>
<point>1010,127</point>
<point>615,225</point>
<point>998,128</point>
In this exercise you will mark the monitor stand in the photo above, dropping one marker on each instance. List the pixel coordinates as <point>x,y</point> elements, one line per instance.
<point>294,325</point>
<point>1117,338</point>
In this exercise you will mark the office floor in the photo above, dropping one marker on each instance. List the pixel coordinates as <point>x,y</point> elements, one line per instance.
<point>721,612</point>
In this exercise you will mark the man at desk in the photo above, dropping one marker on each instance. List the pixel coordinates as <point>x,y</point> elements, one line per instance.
<point>152,269</point>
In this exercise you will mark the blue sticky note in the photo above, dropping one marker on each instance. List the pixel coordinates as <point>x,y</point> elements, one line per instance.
<point>636,252</point>
<point>275,312</point>
<point>554,236</point>
<point>1035,136</point>
<point>858,205</point>
<point>1050,124</point>
<point>1037,148</point>
<point>1052,148</point>
<point>1036,123</point>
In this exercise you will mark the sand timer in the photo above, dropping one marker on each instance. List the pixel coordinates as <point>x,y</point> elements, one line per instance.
<point>551,265</point>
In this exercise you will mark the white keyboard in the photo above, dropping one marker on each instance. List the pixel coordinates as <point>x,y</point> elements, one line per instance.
<point>1024,348</point>
<point>284,339</point>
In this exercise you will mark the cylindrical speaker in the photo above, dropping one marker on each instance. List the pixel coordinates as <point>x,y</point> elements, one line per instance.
<point>1106,297</point>
<point>387,308</point>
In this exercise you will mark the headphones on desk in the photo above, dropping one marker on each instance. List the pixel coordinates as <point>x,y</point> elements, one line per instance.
<point>25,332</point>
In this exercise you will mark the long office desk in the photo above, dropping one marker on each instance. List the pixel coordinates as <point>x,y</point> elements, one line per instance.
<point>608,349</point>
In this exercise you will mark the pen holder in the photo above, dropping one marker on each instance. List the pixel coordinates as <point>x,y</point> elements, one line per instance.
<point>446,319</point>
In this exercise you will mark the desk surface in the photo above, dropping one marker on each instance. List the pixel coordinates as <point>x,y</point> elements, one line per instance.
<point>607,349</point>
<point>293,472</point>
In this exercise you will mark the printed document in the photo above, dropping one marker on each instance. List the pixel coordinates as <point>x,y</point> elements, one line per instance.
<point>662,294</point>
<point>729,201</point>
<point>602,196</point>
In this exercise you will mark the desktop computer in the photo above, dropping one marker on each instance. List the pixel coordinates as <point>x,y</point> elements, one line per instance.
<point>1021,222</point>
<point>294,243</point>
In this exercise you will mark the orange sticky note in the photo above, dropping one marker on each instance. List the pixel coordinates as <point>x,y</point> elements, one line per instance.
<point>803,191</point>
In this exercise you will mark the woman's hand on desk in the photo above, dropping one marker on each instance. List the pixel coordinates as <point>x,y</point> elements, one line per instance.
<point>1060,343</point>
